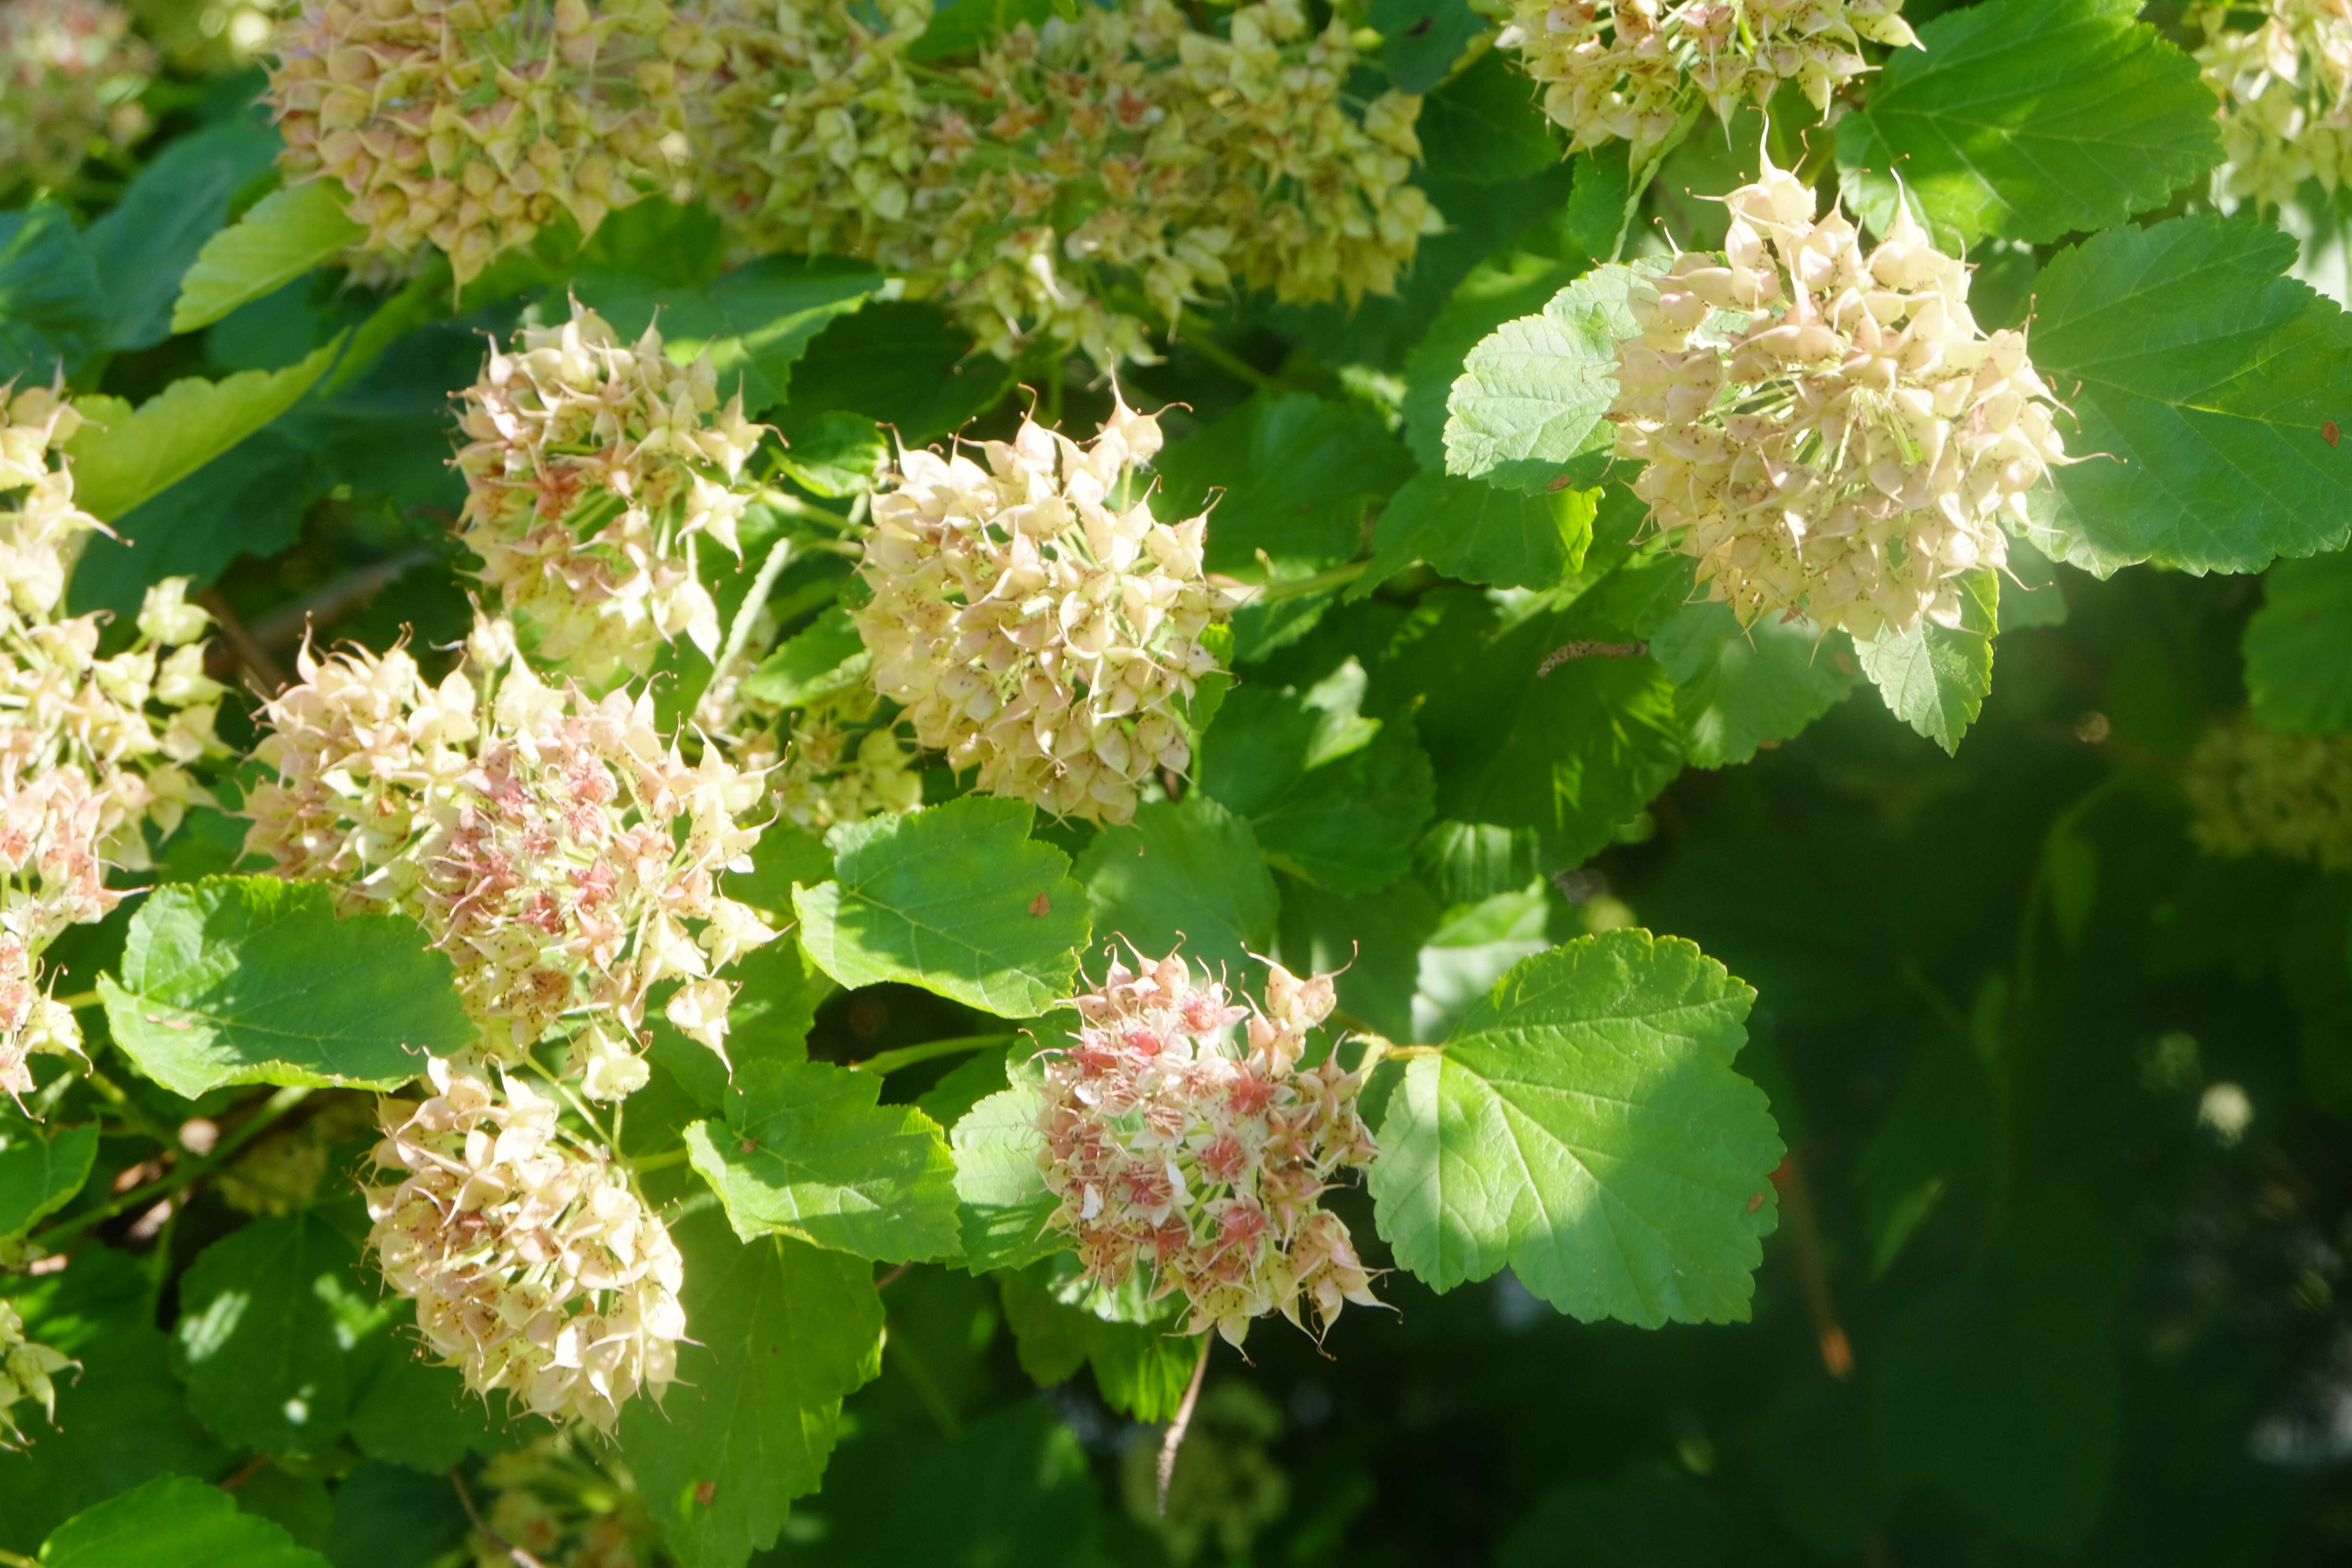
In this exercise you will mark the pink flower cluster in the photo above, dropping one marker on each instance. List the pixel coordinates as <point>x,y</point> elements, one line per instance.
<point>1172,1149</point>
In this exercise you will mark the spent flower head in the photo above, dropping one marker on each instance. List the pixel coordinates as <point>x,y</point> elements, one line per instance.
<point>1825,428</point>
<point>27,1369</point>
<point>562,853</point>
<point>534,1266</point>
<point>1035,621</point>
<point>72,74</point>
<point>1634,70</point>
<point>472,124</point>
<point>1202,1159</point>
<point>594,467</point>
<point>2265,791</point>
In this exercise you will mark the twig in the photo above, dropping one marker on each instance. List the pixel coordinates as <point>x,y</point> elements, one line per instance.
<point>187,1176</point>
<point>1561,656</point>
<point>885,1282</point>
<point>242,645</point>
<point>259,1463</point>
<point>12,1560</point>
<point>1231,363</point>
<point>284,626</point>
<point>1299,587</point>
<point>1177,1428</point>
<point>1812,1277</point>
<point>514,1555</point>
<point>908,1056</point>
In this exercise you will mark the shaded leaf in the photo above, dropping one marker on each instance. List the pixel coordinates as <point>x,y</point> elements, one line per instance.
<point>1181,876</point>
<point>40,1171</point>
<point>164,219</point>
<point>284,235</point>
<point>52,310</point>
<point>1738,688</point>
<point>1480,534</point>
<point>1935,678</point>
<point>1297,474</point>
<point>1006,1205</point>
<point>754,323</point>
<point>176,1520</point>
<point>1485,127</point>
<point>825,659</point>
<point>2299,647</point>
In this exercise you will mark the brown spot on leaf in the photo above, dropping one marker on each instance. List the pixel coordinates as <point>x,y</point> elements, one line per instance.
<point>1041,905</point>
<point>748,1145</point>
<point>704,1491</point>
<point>2329,433</point>
<point>1562,483</point>
<point>1756,1203</point>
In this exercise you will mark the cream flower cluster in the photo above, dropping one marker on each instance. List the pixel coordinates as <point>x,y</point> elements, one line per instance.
<point>592,467</point>
<point>2285,86</point>
<point>534,1267</point>
<point>71,73</point>
<point>472,124</point>
<point>91,750</point>
<point>1176,1150</point>
<point>26,1368</point>
<point>1034,628</point>
<point>1841,455</point>
<point>1122,144</point>
<point>842,764</point>
<point>2256,790</point>
<point>563,853</point>
<point>1630,70</point>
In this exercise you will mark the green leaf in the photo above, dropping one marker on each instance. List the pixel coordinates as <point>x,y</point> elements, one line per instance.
<point>1141,1369</point>
<point>823,660</point>
<point>1421,39</point>
<point>957,898</point>
<point>1511,284</point>
<point>2299,647</point>
<point>1298,475</point>
<point>2030,595</point>
<point>2033,119</point>
<point>1485,127</point>
<point>1469,949</point>
<point>1372,942</point>
<point>269,1318</point>
<point>1643,1518</point>
<point>1180,876</point>
<point>2203,380</point>
<point>1600,203</point>
<point>390,1516</point>
<point>1935,678</point>
<point>1006,1205</point>
<point>962,26</point>
<point>176,1520</point>
<point>783,1333</point>
<point>1480,534</point>
<point>1584,1127</point>
<point>754,323</point>
<point>122,456</point>
<point>253,980</point>
<point>1331,796</point>
<point>406,1410</point>
<point>1014,1488</point>
<point>835,454</point>
<point>52,310</point>
<point>806,1152</point>
<point>40,1172</point>
<point>900,362</point>
<point>1935,1143</point>
<point>164,219</point>
<point>1528,404</point>
<point>284,235</point>
<point>121,1420</point>
<point>1737,689</point>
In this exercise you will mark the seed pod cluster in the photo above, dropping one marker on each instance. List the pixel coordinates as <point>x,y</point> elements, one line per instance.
<point>1123,143</point>
<point>1035,621</point>
<point>2283,71</point>
<point>534,1266</point>
<point>1631,70</point>
<point>92,750</point>
<point>1175,1149</point>
<point>71,73</point>
<point>1825,428</point>
<point>2264,791</point>
<point>564,855</point>
<point>592,469</point>
<point>472,124</point>
<point>26,1370</point>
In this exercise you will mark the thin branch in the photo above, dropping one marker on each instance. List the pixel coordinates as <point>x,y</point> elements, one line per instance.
<point>244,648</point>
<point>1804,1235</point>
<point>186,1176</point>
<point>259,1463</point>
<point>1177,1428</point>
<point>283,627</point>
<point>908,1056</point>
<point>514,1555</point>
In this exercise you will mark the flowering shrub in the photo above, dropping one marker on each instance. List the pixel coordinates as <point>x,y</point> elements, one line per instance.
<point>657,853</point>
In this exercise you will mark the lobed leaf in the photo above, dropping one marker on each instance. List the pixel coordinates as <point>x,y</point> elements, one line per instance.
<point>124,455</point>
<point>2298,647</point>
<point>1007,1209</point>
<point>754,323</point>
<point>1528,405</point>
<point>165,219</point>
<point>2204,382</point>
<point>40,1171</point>
<point>1184,876</point>
<point>1584,1128</point>
<point>1738,688</point>
<point>253,980</point>
<point>957,898</point>
<point>1290,476</point>
<point>176,1520</point>
<point>1935,678</point>
<point>2032,119</point>
<point>806,1152</point>
<point>1480,534</point>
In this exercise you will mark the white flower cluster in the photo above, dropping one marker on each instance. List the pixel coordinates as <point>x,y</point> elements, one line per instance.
<point>2256,790</point>
<point>91,750</point>
<point>1034,628</point>
<point>593,467</point>
<point>561,853</point>
<point>1116,143</point>
<point>1838,445</point>
<point>1175,1151</point>
<point>26,1368</point>
<point>2285,86</point>
<point>1628,70</point>
<point>472,124</point>
<point>534,1267</point>
<point>71,73</point>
